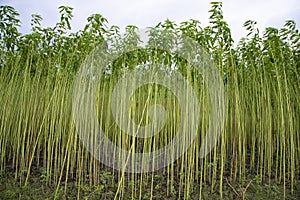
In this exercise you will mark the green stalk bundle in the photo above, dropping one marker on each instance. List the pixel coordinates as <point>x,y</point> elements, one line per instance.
<point>260,141</point>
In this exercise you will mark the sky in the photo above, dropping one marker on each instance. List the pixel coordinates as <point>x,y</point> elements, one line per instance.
<point>145,13</point>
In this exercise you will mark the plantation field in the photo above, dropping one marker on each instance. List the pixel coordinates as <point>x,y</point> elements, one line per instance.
<point>58,88</point>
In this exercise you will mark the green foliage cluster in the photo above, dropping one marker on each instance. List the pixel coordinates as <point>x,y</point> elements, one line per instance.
<point>59,46</point>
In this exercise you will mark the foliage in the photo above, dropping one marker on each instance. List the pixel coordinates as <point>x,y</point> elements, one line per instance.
<point>260,140</point>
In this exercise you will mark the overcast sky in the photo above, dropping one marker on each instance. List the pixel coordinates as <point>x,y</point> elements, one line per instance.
<point>144,13</point>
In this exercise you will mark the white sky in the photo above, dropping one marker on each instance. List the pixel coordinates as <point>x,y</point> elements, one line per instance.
<point>144,13</point>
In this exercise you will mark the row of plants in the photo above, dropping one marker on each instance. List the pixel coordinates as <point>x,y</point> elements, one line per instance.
<point>259,142</point>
